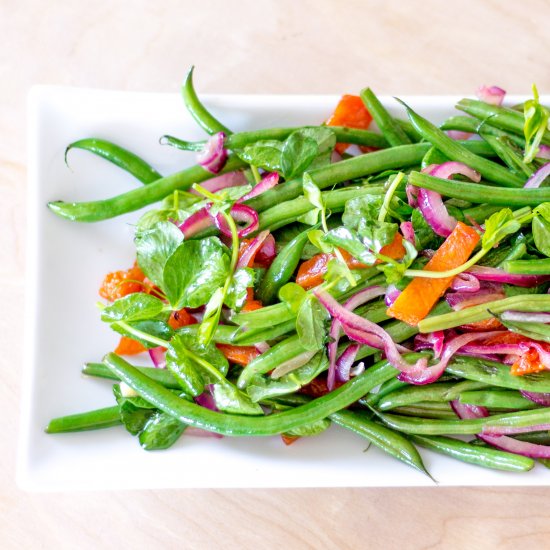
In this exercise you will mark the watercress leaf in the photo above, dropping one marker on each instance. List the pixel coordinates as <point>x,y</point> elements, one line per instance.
<point>316,237</point>
<point>543,210</point>
<point>297,154</point>
<point>536,122</point>
<point>497,226</point>
<point>133,415</point>
<point>135,400</point>
<point>154,246</point>
<point>347,239</point>
<point>541,235</point>
<point>263,154</point>
<point>361,209</point>
<point>153,327</point>
<point>133,307</point>
<point>312,192</point>
<point>425,236</point>
<point>230,399</point>
<point>194,271</point>
<point>292,295</point>
<point>210,317</point>
<point>161,431</point>
<point>310,324</point>
<point>395,271</point>
<point>339,274</point>
<point>313,428</point>
<point>233,194</point>
<point>324,137</point>
<point>311,217</point>
<point>242,279</point>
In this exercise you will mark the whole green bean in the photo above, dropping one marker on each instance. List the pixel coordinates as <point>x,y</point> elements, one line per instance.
<point>541,438</point>
<point>472,125</point>
<point>235,425</point>
<point>119,156</point>
<point>390,386</point>
<point>161,376</point>
<point>413,394</point>
<point>497,399</point>
<point>507,154</point>
<point>393,133</point>
<point>435,411</point>
<point>480,212</point>
<point>529,267</point>
<point>500,117</point>
<point>488,458</point>
<point>181,144</point>
<point>282,268</point>
<point>409,129</point>
<point>197,110</point>
<point>137,198</point>
<point>455,151</point>
<point>91,420</point>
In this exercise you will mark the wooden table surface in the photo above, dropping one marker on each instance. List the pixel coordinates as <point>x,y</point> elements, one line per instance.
<point>262,46</point>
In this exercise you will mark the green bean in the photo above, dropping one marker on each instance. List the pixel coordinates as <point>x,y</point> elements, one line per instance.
<point>488,458</point>
<point>541,438</point>
<point>119,156</point>
<point>382,437</point>
<point>507,154</point>
<point>137,198</point>
<point>521,302</point>
<point>473,126</point>
<point>91,420</point>
<point>409,129</point>
<point>197,110</point>
<point>161,376</point>
<point>282,268</point>
<point>455,151</point>
<point>529,267</point>
<point>500,117</point>
<point>413,394</point>
<point>393,133</point>
<point>423,426</point>
<point>181,144</point>
<point>476,192</point>
<point>251,337</point>
<point>480,212</point>
<point>436,411</point>
<point>497,399</point>
<point>515,253</point>
<point>236,425</point>
<point>375,311</point>
<point>433,156</point>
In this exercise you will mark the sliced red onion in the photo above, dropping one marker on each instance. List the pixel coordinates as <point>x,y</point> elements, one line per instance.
<point>511,430</point>
<point>536,397</point>
<point>158,357</point>
<point>462,300</point>
<point>267,182</point>
<point>459,135</point>
<point>544,152</point>
<point>538,177</point>
<point>412,195</point>
<point>492,349</point>
<point>240,213</point>
<point>206,399</point>
<point>195,223</point>
<point>247,259</point>
<point>503,442</point>
<point>407,230</point>
<point>432,340</point>
<point>293,364</point>
<point>267,252</point>
<point>355,326</point>
<point>231,179</point>
<point>451,168</point>
<point>491,94</point>
<point>335,157</point>
<point>465,282</point>
<point>526,317</point>
<point>392,293</point>
<point>262,347</point>
<point>356,300</point>
<point>484,273</point>
<point>214,154</point>
<point>345,362</point>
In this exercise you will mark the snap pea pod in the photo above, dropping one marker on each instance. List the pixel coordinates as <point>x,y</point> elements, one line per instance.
<point>497,399</point>
<point>529,267</point>
<point>161,376</point>
<point>481,312</point>
<point>488,458</point>
<point>197,110</point>
<point>500,117</point>
<point>91,420</point>
<point>455,151</point>
<point>393,133</point>
<point>424,426</point>
<point>282,268</point>
<point>137,198</point>
<point>382,437</point>
<point>236,425</point>
<point>473,126</point>
<point>119,156</point>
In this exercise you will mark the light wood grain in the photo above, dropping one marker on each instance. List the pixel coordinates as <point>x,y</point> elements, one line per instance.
<point>252,47</point>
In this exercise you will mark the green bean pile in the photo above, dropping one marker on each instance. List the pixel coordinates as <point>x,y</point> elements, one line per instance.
<point>294,196</point>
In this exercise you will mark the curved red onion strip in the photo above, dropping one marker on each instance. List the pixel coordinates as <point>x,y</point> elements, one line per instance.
<point>214,154</point>
<point>231,179</point>
<point>538,177</point>
<point>240,213</point>
<point>465,282</point>
<point>195,223</point>
<point>247,258</point>
<point>392,293</point>
<point>267,252</point>
<point>345,362</point>
<point>463,300</point>
<point>407,230</point>
<point>544,152</point>
<point>267,182</point>
<point>433,340</point>
<point>158,357</point>
<point>536,397</point>
<point>491,94</point>
<point>511,430</point>
<point>493,274</point>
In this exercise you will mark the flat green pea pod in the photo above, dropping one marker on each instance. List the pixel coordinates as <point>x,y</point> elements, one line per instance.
<point>466,452</point>
<point>119,156</point>
<point>282,268</point>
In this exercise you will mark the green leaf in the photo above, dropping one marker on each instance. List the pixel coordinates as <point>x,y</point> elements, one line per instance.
<point>347,239</point>
<point>161,431</point>
<point>310,218</point>
<point>242,279</point>
<point>133,307</point>
<point>426,238</point>
<point>339,272</point>
<point>263,154</point>
<point>323,136</point>
<point>230,399</point>
<point>153,327</point>
<point>154,246</point>
<point>211,317</point>
<point>395,271</point>
<point>292,295</point>
<point>310,324</point>
<point>498,226</point>
<point>312,193</point>
<point>134,411</point>
<point>541,235</point>
<point>313,428</point>
<point>536,123</point>
<point>297,154</point>
<point>194,271</point>
<point>543,210</point>
<point>317,239</point>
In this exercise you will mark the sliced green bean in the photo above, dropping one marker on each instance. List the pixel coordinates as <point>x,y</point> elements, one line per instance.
<point>91,420</point>
<point>488,458</point>
<point>197,110</point>
<point>391,130</point>
<point>497,399</point>
<point>119,156</point>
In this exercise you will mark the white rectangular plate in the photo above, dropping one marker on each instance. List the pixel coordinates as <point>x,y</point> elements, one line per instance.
<point>66,263</point>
